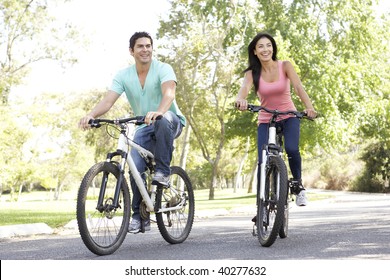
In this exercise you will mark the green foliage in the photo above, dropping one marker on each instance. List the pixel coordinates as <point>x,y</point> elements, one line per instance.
<point>376,174</point>
<point>332,44</point>
<point>338,171</point>
<point>339,48</point>
<point>29,34</point>
<point>205,59</point>
<point>13,134</point>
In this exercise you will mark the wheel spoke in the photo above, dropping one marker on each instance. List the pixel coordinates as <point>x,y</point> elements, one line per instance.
<point>102,231</point>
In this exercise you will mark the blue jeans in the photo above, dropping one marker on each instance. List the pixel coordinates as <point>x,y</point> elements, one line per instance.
<point>291,130</point>
<point>157,138</point>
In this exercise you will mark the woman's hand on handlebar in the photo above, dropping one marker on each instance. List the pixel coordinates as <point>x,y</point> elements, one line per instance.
<point>241,104</point>
<point>311,113</point>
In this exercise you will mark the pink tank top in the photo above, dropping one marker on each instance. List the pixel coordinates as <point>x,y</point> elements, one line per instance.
<point>275,96</point>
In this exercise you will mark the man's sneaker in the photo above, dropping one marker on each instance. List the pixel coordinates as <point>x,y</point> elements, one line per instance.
<point>135,226</point>
<point>161,179</point>
<point>301,199</point>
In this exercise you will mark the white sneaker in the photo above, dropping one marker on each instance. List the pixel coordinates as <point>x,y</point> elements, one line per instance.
<point>135,226</point>
<point>161,179</point>
<point>301,199</point>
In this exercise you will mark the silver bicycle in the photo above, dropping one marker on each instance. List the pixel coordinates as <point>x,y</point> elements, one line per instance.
<point>104,203</point>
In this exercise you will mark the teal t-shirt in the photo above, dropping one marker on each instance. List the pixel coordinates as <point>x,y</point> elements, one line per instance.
<point>148,98</point>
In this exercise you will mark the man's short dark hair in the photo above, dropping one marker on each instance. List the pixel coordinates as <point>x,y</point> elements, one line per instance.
<point>138,35</point>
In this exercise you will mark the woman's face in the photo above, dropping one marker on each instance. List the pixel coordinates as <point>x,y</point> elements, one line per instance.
<point>264,49</point>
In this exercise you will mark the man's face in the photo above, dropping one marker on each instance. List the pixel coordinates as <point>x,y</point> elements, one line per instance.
<point>142,51</point>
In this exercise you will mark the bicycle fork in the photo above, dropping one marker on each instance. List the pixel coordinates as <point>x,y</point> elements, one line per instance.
<point>265,157</point>
<point>114,203</point>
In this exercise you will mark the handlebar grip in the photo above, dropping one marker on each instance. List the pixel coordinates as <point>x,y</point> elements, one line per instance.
<point>94,123</point>
<point>141,119</point>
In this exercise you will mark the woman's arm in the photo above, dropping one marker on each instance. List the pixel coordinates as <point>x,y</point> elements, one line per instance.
<point>298,88</point>
<point>246,86</point>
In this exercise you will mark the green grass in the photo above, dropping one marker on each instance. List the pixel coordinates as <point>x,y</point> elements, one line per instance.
<point>223,199</point>
<point>53,213</point>
<point>37,208</point>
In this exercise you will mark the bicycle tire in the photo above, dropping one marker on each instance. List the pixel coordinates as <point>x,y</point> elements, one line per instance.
<point>283,232</point>
<point>270,219</point>
<point>176,225</point>
<point>102,232</point>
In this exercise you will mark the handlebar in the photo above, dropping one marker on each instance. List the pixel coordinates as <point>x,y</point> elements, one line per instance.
<point>137,120</point>
<point>255,109</point>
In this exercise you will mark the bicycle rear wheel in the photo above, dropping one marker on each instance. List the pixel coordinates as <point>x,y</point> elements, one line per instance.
<point>102,227</point>
<point>176,225</point>
<point>270,211</point>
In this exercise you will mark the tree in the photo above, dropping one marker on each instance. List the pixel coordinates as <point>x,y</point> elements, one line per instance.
<point>206,61</point>
<point>13,133</point>
<point>29,34</point>
<point>332,44</point>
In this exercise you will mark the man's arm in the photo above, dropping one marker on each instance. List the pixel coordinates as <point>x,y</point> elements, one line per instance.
<point>168,89</point>
<point>100,109</point>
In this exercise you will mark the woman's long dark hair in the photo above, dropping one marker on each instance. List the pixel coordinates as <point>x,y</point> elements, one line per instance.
<point>253,60</point>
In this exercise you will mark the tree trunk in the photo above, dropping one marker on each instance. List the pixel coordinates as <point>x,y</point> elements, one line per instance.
<point>253,180</point>
<point>20,191</point>
<point>58,191</point>
<point>213,182</point>
<point>186,147</point>
<point>240,167</point>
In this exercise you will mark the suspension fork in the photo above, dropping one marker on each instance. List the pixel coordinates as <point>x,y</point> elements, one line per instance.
<point>262,172</point>
<point>119,182</point>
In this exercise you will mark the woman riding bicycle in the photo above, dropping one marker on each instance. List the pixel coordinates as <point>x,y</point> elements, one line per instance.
<point>271,78</point>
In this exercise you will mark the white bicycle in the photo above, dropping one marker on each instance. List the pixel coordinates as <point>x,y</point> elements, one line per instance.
<point>104,203</point>
<point>273,185</point>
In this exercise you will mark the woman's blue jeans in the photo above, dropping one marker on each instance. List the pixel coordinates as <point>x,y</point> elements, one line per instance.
<point>291,130</point>
<point>157,138</point>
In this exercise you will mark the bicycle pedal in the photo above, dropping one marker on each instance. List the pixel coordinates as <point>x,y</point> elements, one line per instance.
<point>254,231</point>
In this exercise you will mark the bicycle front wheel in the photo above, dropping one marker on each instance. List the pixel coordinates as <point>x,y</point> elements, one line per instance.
<point>271,209</point>
<point>102,226</point>
<point>175,225</point>
<point>283,232</point>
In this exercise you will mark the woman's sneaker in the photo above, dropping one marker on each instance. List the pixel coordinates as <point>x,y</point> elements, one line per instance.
<point>301,199</point>
<point>299,191</point>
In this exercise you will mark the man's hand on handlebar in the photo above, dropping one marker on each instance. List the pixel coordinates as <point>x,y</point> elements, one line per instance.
<point>84,122</point>
<point>152,116</point>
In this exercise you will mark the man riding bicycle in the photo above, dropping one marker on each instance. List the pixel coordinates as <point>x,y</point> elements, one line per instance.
<point>150,87</point>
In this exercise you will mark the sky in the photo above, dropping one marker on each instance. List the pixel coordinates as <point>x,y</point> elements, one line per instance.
<point>107,25</point>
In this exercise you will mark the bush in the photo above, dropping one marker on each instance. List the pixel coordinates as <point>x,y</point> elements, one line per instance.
<point>376,174</point>
<point>335,173</point>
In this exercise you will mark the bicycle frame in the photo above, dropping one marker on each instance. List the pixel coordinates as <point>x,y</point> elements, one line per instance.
<point>104,220</point>
<point>123,148</point>
<point>266,153</point>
